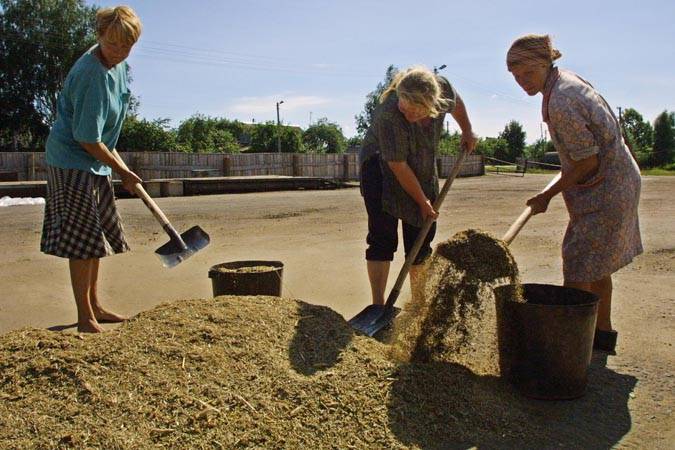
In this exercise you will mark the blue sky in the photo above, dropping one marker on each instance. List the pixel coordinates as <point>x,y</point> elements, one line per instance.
<point>236,59</point>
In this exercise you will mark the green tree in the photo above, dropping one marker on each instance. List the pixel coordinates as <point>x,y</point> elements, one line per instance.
<point>354,141</point>
<point>639,132</point>
<point>40,40</point>
<point>514,135</point>
<point>449,143</point>
<point>364,119</point>
<point>264,138</point>
<point>664,139</point>
<point>493,147</point>
<point>537,150</point>
<point>150,136</point>
<point>324,137</point>
<point>204,134</point>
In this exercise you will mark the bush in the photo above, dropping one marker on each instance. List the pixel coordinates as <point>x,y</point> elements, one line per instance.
<point>264,138</point>
<point>208,135</point>
<point>324,137</point>
<point>147,136</point>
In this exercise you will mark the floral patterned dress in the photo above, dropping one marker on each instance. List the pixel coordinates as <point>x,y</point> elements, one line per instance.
<point>603,234</point>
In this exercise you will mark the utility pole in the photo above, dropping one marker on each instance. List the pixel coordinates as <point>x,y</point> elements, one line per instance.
<point>278,128</point>
<point>620,118</point>
<point>310,118</point>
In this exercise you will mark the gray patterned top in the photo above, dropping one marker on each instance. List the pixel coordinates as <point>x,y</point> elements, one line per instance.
<point>603,234</point>
<point>393,138</point>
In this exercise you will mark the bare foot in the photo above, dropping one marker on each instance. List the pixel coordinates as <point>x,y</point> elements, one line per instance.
<point>104,316</point>
<point>89,326</point>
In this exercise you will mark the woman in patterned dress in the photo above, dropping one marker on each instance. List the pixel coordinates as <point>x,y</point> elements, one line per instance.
<point>81,220</point>
<point>600,179</point>
<point>399,178</point>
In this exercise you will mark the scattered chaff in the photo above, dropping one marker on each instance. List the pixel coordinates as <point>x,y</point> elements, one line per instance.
<point>453,320</point>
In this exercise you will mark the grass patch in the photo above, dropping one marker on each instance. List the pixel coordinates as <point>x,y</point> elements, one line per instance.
<point>668,170</point>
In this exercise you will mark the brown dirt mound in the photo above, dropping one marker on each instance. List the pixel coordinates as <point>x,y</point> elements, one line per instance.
<point>258,372</point>
<point>454,319</point>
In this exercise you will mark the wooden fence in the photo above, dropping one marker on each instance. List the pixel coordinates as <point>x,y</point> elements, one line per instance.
<point>30,166</point>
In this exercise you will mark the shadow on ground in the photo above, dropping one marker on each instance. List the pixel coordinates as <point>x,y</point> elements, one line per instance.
<point>446,406</point>
<point>62,327</point>
<point>320,337</point>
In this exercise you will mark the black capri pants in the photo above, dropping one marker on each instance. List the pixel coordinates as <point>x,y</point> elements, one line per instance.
<point>382,237</point>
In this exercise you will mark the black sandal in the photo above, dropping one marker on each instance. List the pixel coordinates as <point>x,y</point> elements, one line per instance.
<point>605,341</point>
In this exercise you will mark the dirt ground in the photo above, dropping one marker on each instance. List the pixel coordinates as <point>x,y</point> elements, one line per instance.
<point>320,238</point>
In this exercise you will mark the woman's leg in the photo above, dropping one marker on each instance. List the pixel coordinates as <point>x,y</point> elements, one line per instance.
<point>378,273</point>
<point>603,289</point>
<point>80,279</point>
<point>101,314</point>
<point>382,236</point>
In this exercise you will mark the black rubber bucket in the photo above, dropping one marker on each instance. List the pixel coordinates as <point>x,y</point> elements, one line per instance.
<point>546,343</point>
<point>238,281</point>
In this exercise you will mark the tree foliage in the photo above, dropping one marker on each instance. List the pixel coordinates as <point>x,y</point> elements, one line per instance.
<point>493,147</point>
<point>664,139</point>
<point>141,135</point>
<point>324,137</point>
<point>638,131</point>
<point>201,134</point>
<point>264,138</point>
<point>449,143</point>
<point>40,40</point>
<point>364,119</point>
<point>536,151</point>
<point>514,135</point>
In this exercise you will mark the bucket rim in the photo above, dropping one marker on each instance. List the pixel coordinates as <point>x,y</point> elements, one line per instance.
<point>595,298</point>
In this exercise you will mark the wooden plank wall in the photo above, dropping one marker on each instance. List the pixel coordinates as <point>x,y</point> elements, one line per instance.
<point>157,165</point>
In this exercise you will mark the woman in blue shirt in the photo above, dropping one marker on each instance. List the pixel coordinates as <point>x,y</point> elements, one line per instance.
<point>81,220</point>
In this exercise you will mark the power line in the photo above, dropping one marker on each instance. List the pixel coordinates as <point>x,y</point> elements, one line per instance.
<point>182,54</point>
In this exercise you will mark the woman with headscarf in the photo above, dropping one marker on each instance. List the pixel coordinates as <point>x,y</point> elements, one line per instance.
<point>81,220</point>
<point>399,179</point>
<point>600,179</point>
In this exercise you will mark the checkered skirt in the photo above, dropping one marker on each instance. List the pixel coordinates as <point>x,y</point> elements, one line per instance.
<point>81,219</point>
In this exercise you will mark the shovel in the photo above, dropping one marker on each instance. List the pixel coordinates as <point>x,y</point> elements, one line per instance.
<point>524,217</point>
<point>376,317</point>
<point>180,246</point>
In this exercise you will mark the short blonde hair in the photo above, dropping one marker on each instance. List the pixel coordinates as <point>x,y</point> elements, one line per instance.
<point>532,49</point>
<point>120,24</point>
<point>418,85</point>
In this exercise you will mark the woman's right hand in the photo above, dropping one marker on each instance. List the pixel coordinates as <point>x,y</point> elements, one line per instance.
<point>427,210</point>
<point>129,180</point>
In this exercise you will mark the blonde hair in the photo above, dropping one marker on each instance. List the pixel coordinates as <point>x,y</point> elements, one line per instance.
<point>532,49</point>
<point>418,85</point>
<point>120,24</point>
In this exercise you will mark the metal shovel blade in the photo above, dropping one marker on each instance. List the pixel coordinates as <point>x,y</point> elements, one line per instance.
<point>374,318</point>
<point>173,253</point>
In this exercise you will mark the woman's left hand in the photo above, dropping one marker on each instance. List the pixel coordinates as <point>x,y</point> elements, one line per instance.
<point>469,141</point>
<point>539,203</point>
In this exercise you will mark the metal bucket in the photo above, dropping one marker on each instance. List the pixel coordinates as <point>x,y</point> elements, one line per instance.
<point>237,281</point>
<point>546,343</point>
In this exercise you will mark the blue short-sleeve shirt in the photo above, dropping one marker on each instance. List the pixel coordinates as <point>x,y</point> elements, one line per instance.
<point>90,108</point>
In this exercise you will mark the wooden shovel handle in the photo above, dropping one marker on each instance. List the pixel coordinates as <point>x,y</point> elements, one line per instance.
<point>396,290</point>
<point>517,225</point>
<point>149,202</point>
<point>524,217</point>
